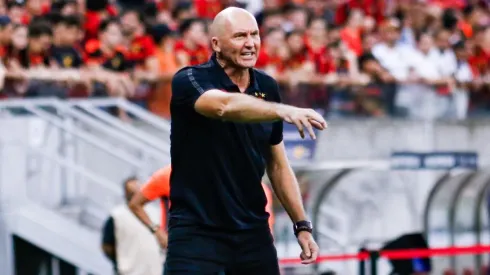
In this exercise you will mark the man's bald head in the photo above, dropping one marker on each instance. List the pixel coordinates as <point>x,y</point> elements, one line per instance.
<point>228,18</point>
<point>235,38</point>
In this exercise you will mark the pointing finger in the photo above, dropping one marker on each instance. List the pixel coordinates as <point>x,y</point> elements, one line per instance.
<point>308,126</point>
<point>299,125</point>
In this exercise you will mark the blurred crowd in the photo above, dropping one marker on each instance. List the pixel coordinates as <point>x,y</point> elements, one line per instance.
<point>425,59</point>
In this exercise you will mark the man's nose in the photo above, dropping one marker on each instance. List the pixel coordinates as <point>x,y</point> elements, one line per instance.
<point>249,42</point>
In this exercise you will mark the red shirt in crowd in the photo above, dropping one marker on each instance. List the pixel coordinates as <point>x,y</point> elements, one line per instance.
<point>374,8</point>
<point>207,8</point>
<point>297,60</point>
<point>196,56</point>
<point>324,63</point>
<point>141,48</point>
<point>93,20</point>
<point>480,62</point>
<point>265,60</point>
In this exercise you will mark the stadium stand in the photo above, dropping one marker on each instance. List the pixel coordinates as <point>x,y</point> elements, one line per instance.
<point>98,73</point>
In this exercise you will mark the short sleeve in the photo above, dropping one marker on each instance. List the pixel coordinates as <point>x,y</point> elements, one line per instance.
<point>149,47</point>
<point>277,126</point>
<point>188,85</point>
<point>158,185</point>
<point>108,236</point>
<point>93,54</point>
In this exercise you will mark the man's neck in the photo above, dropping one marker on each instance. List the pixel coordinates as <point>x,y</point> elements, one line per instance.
<point>137,33</point>
<point>316,42</point>
<point>239,76</point>
<point>390,44</point>
<point>189,44</point>
<point>32,50</point>
<point>57,42</point>
<point>107,50</point>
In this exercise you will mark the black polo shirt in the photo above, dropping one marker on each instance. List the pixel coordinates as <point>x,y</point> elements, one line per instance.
<point>217,166</point>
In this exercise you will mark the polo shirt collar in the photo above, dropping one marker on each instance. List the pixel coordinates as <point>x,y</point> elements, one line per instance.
<point>226,81</point>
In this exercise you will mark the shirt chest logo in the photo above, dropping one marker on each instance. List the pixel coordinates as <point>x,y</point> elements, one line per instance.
<point>259,95</point>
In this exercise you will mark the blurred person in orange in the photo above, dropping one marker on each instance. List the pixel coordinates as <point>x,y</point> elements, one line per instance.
<point>157,187</point>
<point>127,243</point>
<point>159,100</point>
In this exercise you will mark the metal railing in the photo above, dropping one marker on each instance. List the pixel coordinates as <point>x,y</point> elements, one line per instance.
<point>82,149</point>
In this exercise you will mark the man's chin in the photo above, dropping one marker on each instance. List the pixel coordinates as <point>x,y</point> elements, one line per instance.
<point>247,64</point>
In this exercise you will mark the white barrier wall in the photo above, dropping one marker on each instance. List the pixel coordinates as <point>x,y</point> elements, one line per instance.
<point>376,139</point>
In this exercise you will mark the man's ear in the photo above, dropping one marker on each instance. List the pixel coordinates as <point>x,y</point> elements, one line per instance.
<point>215,44</point>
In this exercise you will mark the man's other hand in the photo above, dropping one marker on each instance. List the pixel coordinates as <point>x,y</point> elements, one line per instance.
<point>303,118</point>
<point>162,238</point>
<point>309,247</point>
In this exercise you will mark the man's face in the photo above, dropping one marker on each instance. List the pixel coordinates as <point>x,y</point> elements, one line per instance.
<point>16,13</point>
<point>296,43</point>
<point>130,23</point>
<point>40,44</point>
<point>19,38</point>
<point>318,29</point>
<point>425,43</point>
<point>71,34</point>
<point>6,34</point>
<point>275,39</point>
<point>442,40</point>
<point>299,18</point>
<point>34,6</point>
<point>69,9</point>
<point>131,189</point>
<point>273,21</point>
<point>391,35</point>
<point>112,35</point>
<point>239,43</point>
<point>196,33</point>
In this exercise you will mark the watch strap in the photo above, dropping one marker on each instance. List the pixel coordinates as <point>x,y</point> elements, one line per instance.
<point>302,226</point>
<point>154,228</point>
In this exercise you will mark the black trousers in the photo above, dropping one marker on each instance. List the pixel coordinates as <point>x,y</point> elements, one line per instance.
<point>203,251</point>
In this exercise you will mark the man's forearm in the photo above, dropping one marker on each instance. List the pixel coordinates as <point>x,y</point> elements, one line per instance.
<point>246,108</point>
<point>137,208</point>
<point>287,191</point>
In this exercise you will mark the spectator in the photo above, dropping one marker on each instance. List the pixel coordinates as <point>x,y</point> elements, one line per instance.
<point>270,19</point>
<point>5,34</point>
<point>107,59</point>
<point>66,36</point>
<point>464,78</point>
<point>296,16</point>
<point>127,242</point>
<point>159,101</point>
<point>183,11</point>
<point>141,52</point>
<point>310,46</point>
<point>192,49</point>
<point>273,53</point>
<point>392,56</point>
<point>351,33</point>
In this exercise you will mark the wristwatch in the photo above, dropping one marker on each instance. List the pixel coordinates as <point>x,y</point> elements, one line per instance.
<point>154,228</point>
<point>302,226</point>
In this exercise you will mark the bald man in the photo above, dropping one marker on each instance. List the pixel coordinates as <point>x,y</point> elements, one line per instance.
<point>227,124</point>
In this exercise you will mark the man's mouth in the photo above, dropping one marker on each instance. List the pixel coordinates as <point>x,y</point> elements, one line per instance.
<point>248,54</point>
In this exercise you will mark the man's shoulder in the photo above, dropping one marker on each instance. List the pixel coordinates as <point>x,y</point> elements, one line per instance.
<point>189,71</point>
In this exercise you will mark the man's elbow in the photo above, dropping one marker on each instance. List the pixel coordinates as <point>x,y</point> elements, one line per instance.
<point>214,104</point>
<point>134,205</point>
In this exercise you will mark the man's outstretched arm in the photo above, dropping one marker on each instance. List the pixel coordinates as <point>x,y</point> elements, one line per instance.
<point>193,89</point>
<point>245,108</point>
<point>287,190</point>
